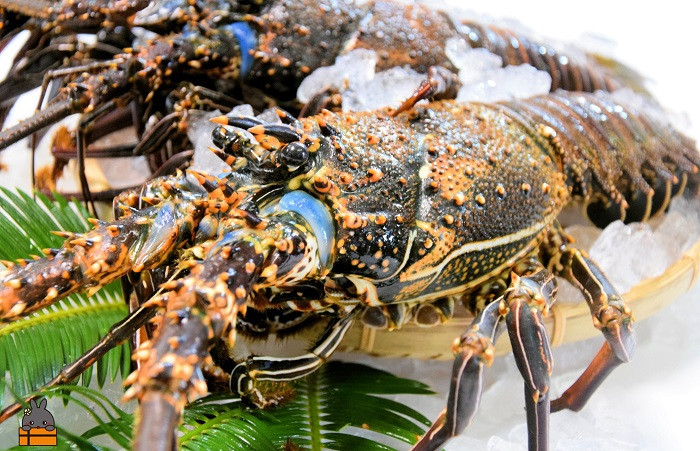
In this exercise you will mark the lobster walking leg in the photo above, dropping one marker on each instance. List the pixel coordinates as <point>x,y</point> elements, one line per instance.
<point>610,315</point>
<point>260,368</point>
<point>528,296</point>
<point>473,350</point>
<point>172,126</point>
<point>576,396</point>
<point>81,142</point>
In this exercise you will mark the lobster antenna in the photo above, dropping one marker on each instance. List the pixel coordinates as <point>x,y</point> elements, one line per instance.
<point>53,113</point>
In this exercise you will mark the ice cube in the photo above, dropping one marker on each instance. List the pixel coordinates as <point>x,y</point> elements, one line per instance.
<point>507,83</point>
<point>629,254</point>
<point>386,88</point>
<point>199,129</point>
<point>471,62</point>
<point>270,116</point>
<point>351,69</point>
<point>243,110</point>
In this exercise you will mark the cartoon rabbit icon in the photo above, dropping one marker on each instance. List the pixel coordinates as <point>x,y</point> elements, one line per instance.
<point>38,417</point>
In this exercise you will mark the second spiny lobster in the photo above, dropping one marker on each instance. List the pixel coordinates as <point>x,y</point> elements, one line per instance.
<point>213,54</point>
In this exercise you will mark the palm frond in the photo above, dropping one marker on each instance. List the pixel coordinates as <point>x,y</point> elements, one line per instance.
<point>325,404</point>
<point>34,349</point>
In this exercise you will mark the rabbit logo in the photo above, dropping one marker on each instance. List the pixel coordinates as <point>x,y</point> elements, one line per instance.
<point>38,425</point>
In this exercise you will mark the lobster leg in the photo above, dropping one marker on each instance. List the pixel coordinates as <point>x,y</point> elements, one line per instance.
<point>260,368</point>
<point>531,290</point>
<point>473,350</point>
<point>576,396</point>
<point>527,297</point>
<point>610,315</point>
<point>82,147</point>
<point>192,97</point>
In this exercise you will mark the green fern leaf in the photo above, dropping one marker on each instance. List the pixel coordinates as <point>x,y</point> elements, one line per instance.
<point>328,401</point>
<point>34,349</point>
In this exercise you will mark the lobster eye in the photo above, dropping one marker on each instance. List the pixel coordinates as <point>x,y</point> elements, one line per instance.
<point>293,155</point>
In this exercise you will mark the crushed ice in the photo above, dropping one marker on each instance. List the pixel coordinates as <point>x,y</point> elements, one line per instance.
<point>199,130</point>
<point>353,74</point>
<point>630,253</point>
<point>480,72</point>
<point>484,80</point>
<point>350,70</point>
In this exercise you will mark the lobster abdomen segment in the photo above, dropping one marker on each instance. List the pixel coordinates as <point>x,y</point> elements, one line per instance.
<point>623,163</point>
<point>515,49</point>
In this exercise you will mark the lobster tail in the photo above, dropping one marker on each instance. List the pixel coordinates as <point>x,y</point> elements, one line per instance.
<point>624,164</point>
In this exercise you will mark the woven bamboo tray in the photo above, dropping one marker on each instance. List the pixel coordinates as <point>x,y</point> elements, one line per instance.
<point>565,323</point>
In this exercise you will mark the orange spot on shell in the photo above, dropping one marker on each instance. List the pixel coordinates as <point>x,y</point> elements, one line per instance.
<point>374,175</point>
<point>353,221</point>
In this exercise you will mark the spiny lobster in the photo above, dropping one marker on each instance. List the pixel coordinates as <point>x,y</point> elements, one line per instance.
<point>381,217</point>
<point>305,224</point>
<point>211,54</point>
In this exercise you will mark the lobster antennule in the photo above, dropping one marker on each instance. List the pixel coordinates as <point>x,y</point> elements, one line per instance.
<point>202,306</point>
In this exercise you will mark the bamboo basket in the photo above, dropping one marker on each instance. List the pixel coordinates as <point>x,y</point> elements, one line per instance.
<point>565,323</point>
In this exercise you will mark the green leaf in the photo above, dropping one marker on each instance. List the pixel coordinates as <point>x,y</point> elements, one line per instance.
<point>316,417</point>
<point>35,348</point>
